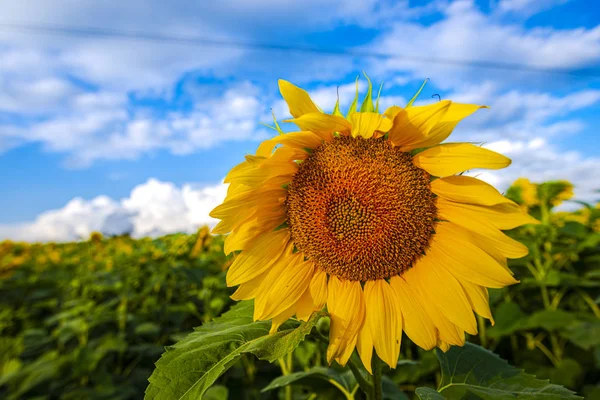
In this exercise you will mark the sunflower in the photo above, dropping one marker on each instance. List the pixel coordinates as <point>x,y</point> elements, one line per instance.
<point>370,216</point>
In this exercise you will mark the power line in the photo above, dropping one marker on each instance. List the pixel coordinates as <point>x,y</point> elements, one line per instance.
<point>219,42</point>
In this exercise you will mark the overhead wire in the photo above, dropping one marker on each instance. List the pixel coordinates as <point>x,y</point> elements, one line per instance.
<point>264,46</point>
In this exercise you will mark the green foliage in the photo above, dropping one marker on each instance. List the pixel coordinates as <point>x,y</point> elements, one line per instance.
<point>191,366</point>
<point>89,320</point>
<point>472,371</point>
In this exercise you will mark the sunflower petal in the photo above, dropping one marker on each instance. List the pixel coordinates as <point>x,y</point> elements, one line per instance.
<point>441,288</point>
<point>417,324</point>
<point>315,297</point>
<point>346,306</point>
<point>453,248</point>
<point>364,124</point>
<point>323,125</point>
<point>466,189</point>
<point>380,299</point>
<point>282,288</point>
<point>502,216</point>
<point>248,290</point>
<point>280,319</point>
<point>446,330</point>
<point>452,158</point>
<point>440,132</point>
<point>479,299</point>
<point>412,125</point>
<point>300,140</point>
<point>266,250</point>
<point>364,345</point>
<point>298,100</point>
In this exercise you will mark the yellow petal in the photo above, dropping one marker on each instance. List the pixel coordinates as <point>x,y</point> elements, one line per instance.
<point>452,158</point>
<point>315,297</point>
<point>452,248</point>
<point>417,324</point>
<point>386,331</point>
<point>443,346</point>
<point>284,285</point>
<point>364,124</point>
<point>265,251</point>
<point>346,306</point>
<point>280,319</point>
<point>445,329</point>
<point>502,216</point>
<point>323,125</point>
<point>466,189</point>
<point>489,237</point>
<point>364,345</point>
<point>298,100</point>
<point>304,306</point>
<point>248,290</point>
<point>301,140</point>
<point>412,125</point>
<point>391,112</point>
<point>479,299</point>
<point>251,228</point>
<point>456,113</point>
<point>441,288</point>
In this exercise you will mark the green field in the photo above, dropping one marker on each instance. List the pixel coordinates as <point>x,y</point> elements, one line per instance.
<point>88,320</point>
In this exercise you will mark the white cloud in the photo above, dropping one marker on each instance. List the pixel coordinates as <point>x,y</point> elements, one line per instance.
<point>152,209</point>
<point>527,7</point>
<point>99,126</point>
<point>466,33</point>
<point>539,161</point>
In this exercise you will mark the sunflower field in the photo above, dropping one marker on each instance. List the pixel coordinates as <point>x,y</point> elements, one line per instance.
<point>92,319</point>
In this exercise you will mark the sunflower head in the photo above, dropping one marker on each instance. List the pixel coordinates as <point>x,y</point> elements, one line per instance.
<point>369,215</point>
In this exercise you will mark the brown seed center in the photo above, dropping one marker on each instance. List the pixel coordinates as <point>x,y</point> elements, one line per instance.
<point>360,209</point>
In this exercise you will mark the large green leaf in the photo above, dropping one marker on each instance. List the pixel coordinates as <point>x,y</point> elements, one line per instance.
<point>187,369</point>
<point>472,372</point>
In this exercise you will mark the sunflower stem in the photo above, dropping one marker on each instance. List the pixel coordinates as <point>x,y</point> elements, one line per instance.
<point>364,384</point>
<point>377,385</point>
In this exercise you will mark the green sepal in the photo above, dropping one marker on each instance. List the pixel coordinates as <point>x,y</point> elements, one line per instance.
<point>378,97</point>
<point>336,109</point>
<point>367,104</point>
<point>276,127</point>
<point>410,103</point>
<point>355,101</point>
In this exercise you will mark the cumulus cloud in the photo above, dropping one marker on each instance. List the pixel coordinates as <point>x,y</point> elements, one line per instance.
<point>539,161</point>
<point>466,33</point>
<point>100,126</point>
<point>152,209</point>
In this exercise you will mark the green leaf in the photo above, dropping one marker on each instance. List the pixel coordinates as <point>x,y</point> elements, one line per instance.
<point>508,317</point>
<point>391,391</point>
<point>410,103</point>
<point>550,320</point>
<point>426,393</point>
<point>217,392</point>
<point>367,104</point>
<point>474,372</point>
<point>585,334</point>
<point>187,369</point>
<point>315,378</point>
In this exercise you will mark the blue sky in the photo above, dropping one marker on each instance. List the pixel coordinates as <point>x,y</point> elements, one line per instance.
<point>109,133</point>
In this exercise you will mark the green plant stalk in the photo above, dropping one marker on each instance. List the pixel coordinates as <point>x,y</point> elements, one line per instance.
<point>377,384</point>
<point>482,332</point>
<point>365,385</point>
<point>348,395</point>
<point>285,371</point>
